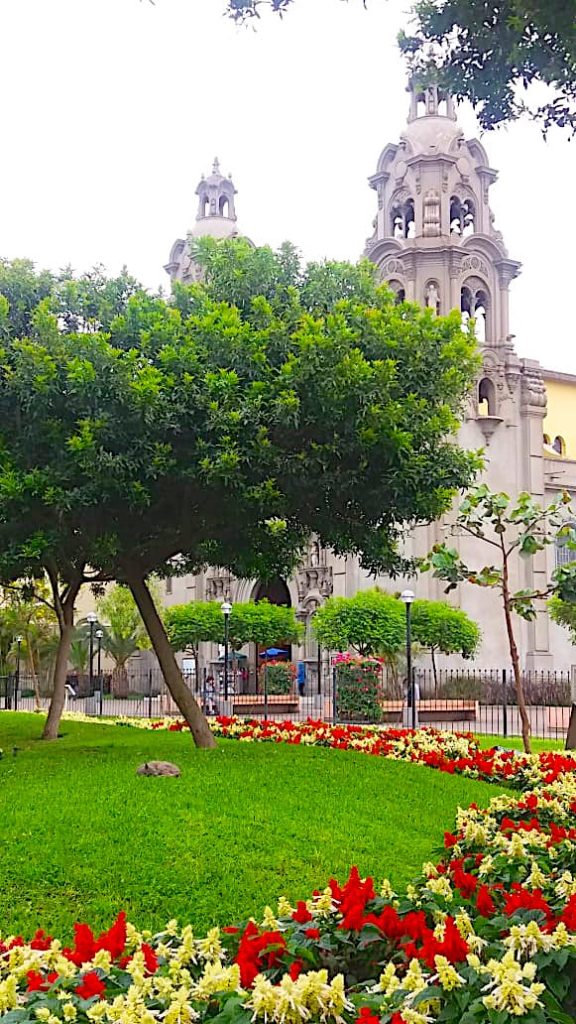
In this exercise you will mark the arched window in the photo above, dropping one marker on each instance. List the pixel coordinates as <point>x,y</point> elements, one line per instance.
<point>486,398</point>
<point>398,287</point>
<point>475,303</point>
<point>223,206</point>
<point>402,220</point>
<point>204,205</point>
<point>432,296</point>
<point>546,439</point>
<point>565,546</point>
<point>559,445</point>
<point>462,216</point>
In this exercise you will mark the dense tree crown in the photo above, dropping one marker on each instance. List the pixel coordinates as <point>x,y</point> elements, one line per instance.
<point>486,51</point>
<point>268,402</point>
<point>259,622</point>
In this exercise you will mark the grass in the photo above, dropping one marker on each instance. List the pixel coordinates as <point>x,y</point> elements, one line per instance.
<point>81,836</point>
<point>515,742</point>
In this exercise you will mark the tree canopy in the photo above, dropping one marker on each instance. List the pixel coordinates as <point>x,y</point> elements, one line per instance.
<point>371,622</point>
<point>260,622</point>
<point>487,51</point>
<point>267,403</point>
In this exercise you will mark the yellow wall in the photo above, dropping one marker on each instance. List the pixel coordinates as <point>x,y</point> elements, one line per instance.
<point>561,416</point>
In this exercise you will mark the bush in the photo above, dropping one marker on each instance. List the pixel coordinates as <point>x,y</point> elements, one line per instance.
<point>359,686</point>
<point>279,675</point>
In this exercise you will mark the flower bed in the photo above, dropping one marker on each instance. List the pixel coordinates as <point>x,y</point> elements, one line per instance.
<point>486,933</point>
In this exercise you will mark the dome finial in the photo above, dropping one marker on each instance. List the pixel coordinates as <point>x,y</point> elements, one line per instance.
<point>216,166</point>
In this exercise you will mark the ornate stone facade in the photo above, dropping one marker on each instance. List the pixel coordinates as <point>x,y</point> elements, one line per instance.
<point>434,242</point>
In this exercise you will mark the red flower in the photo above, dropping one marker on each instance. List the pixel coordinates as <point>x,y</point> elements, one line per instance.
<point>150,958</point>
<point>295,969</point>
<point>484,903</point>
<point>367,1016</point>
<point>92,985</point>
<point>36,982</point>
<point>231,930</point>
<point>256,951</point>
<point>312,933</point>
<point>302,915</point>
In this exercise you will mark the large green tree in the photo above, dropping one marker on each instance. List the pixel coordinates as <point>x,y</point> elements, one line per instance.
<point>268,402</point>
<point>487,51</point>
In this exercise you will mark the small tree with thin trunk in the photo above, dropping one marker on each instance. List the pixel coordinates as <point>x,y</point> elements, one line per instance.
<point>438,626</point>
<point>510,529</point>
<point>371,622</point>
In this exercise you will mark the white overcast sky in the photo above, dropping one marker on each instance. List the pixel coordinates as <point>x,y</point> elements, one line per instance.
<point>111,109</point>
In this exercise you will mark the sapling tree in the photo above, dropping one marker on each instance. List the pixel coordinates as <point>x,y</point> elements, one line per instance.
<point>371,622</point>
<point>511,529</point>
<point>439,627</point>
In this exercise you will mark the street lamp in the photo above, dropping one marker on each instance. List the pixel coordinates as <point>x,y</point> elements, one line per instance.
<point>99,635</point>
<point>91,619</point>
<point>19,640</point>
<point>226,608</point>
<point>407,596</point>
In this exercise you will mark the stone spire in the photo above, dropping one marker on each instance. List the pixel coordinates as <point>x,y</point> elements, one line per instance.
<point>434,238</point>
<point>216,216</point>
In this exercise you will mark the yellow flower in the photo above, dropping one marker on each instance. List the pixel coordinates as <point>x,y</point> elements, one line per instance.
<point>8,994</point>
<point>447,974</point>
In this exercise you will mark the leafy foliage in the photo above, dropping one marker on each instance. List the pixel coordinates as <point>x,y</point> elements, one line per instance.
<point>135,430</point>
<point>564,613</point>
<point>438,626</point>
<point>510,528</point>
<point>259,622</point>
<point>491,52</point>
<point>359,689</point>
<point>371,622</point>
<point>278,677</point>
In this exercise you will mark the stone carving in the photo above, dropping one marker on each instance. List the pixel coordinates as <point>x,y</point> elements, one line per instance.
<point>432,296</point>
<point>158,768</point>
<point>314,580</point>
<point>474,262</point>
<point>533,387</point>
<point>218,585</point>
<point>431,227</point>
<point>392,267</point>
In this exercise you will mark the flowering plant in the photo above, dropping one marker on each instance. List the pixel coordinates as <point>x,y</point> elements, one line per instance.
<point>279,675</point>
<point>487,933</point>
<point>358,688</point>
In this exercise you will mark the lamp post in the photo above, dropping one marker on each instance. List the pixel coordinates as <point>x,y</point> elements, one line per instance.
<point>407,596</point>
<point>19,640</point>
<point>226,608</point>
<point>99,634</point>
<point>91,619</point>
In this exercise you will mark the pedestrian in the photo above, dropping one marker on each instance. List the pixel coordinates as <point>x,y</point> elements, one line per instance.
<point>301,678</point>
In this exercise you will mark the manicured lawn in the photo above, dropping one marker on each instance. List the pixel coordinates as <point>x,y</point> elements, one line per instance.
<point>81,836</point>
<point>515,743</point>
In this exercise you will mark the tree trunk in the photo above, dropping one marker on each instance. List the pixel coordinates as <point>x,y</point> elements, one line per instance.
<point>119,681</point>
<point>60,672</point>
<point>514,656</point>
<point>434,669</point>
<point>35,684</point>
<point>190,709</point>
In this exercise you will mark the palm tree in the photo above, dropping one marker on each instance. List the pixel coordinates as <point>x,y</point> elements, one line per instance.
<point>124,633</point>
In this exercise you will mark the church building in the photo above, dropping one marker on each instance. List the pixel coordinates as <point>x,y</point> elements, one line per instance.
<point>435,242</point>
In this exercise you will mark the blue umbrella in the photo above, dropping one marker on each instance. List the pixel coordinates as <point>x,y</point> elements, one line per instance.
<point>273,652</point>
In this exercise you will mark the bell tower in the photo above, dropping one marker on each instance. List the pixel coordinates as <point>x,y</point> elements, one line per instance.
<point>434,239</point>
<point>216,216</point>
<point>435,243</point>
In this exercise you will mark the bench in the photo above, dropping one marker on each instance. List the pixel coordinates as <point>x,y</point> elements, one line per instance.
<point>253,704</point>
<point>433,710</point>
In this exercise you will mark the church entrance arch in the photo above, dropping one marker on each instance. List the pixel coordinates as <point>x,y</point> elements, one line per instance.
<point>276,592</point>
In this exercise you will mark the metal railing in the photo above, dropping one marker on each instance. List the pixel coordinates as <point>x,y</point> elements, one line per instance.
<point>475,700</point>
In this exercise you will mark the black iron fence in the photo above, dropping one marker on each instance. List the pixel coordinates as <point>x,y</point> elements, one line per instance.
<point>479,701</point>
